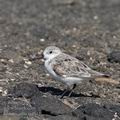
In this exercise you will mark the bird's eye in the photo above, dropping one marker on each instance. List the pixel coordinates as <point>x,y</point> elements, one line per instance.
<point>50,52</point>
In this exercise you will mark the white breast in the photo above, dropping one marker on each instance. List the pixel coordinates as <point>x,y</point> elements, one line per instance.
<point>51,72</point>
<point>49,68</point>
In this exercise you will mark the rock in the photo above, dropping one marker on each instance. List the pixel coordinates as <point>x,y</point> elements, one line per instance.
<point>37,103</point>
<point>63,117</point>
<point>21,117</point>
<point>114,108</point>
<point>94,111</point>
<point>19,107</point>
<point>23,90</point>
<point>3,102</point>
<point>14,106</point>
<point>9,117</point>
<point>114,56</point>
<point>49,105</point>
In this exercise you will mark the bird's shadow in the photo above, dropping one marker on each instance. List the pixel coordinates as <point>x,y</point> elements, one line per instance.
<point>58,92</point>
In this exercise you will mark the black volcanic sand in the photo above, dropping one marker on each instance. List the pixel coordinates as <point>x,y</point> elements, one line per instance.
<point>86,29</point>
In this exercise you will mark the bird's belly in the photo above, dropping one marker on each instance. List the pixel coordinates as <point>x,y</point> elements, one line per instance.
<point>72,80</point>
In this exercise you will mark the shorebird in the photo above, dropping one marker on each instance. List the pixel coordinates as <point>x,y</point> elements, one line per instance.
<point>67,69</point>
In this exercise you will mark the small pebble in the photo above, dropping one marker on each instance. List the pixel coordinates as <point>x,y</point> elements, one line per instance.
<point>42,60</point>
<point>12,79</point>
<point>2,60</point>
<point>5,92</point>
<point>88,53</point>
<point>28,62</point>
<point>1,89</point>
<point>42,39</point>
<point>11,60</point>
<point>95,17</point>
<point>74,46</point>
<point>114,37</point>
<point>25,66</point>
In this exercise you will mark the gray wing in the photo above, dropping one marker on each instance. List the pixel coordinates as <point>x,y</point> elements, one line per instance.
<point>68,66</point>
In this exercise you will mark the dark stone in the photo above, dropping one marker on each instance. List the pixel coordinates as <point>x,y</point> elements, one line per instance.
<point>20,106</point>
<point>3,104</point>
<point>94,112</point>
<point>10,106</point>
<point>63,117</point>
<point>114,108</point>
<point>114,56</point>
<point>23,90</point>
<point>49,105</point>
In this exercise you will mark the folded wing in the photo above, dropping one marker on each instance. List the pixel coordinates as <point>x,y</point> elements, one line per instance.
<point>68,66</point>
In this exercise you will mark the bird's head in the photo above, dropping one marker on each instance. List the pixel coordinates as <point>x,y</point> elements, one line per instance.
<point>51,52</point>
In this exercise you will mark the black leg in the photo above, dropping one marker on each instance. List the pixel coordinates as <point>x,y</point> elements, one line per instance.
<point>65,91</point>
<point>74,86</point>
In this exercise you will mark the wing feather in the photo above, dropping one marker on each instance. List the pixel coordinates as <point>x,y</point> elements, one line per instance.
<point>68,66</point>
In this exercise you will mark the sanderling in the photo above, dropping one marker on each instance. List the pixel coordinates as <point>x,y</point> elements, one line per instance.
<point>67,69</point>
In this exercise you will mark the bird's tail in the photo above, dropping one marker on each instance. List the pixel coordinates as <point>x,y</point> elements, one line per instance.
<point>105,75</point>
<point>96,74</point>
